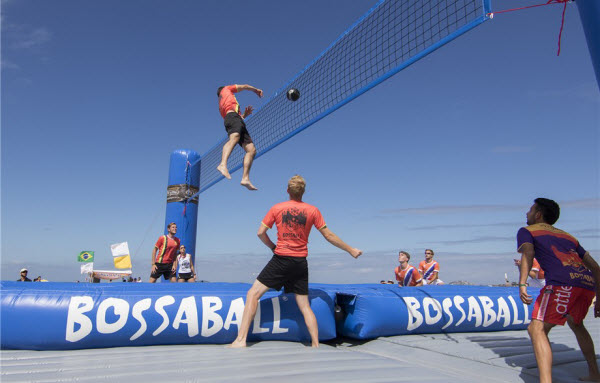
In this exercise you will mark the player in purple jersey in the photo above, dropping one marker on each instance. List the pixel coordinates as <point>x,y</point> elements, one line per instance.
<point>572,281</point>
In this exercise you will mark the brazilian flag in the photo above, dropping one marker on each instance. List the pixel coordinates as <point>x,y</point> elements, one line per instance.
<point>85,256</point>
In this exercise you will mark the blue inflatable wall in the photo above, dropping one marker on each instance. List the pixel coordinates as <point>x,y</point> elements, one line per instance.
<point>184,181</point>
<point>385,310</point>
<point>61,316</point>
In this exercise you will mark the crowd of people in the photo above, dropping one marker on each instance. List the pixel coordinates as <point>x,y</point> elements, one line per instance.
<point>24,278</point>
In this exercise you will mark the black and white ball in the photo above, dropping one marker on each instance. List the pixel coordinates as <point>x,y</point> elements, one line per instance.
<point>293,94</point>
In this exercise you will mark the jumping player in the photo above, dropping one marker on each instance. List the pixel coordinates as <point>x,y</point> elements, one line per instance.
<point>572,281</point>
<point>288,267</point>
<point>163,255</point>
<point>407,275</point>
<point>236,129</point>
<point>429,269</point>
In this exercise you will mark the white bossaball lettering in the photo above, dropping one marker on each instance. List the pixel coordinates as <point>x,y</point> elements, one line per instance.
<point>480,311</point>
<point>81,321</point>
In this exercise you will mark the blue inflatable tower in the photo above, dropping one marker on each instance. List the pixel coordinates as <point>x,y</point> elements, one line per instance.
<point>184,182</point>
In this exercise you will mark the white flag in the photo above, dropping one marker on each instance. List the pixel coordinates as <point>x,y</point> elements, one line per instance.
<point>87,268</point>
<point>121,258</point>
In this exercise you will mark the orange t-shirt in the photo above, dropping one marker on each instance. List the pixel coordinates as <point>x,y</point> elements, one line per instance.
<point>407,277</point>
<point>536,267</point>
<point>227,100</point>
<point>429,270</point>
<point>294,220</point>
<point>166,251</point>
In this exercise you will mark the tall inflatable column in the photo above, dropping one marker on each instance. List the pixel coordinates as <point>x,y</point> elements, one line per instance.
<point>184,182</point>
<point>589,12</point>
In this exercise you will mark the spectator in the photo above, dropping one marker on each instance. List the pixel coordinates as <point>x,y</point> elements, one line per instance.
<point>23,276</point>
<point>407,275</point>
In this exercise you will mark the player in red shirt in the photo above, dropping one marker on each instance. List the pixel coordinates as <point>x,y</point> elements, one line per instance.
<point>430,269</point>
<point>288,267</point>
<point>236,129</point>
<point>572,281</point>
<point>163,255</point>
<point>407,275</point>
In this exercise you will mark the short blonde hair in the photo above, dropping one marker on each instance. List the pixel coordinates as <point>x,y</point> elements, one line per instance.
<point>296,186</point>
<point>171,224</point>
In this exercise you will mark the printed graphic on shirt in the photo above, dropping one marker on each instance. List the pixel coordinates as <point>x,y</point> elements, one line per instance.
<point>293,219</point>
<point>570,259</point>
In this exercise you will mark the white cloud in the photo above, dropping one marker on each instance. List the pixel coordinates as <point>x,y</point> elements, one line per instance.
<point>24,37</point>
<point>588,203</point>
<point>5,64</point>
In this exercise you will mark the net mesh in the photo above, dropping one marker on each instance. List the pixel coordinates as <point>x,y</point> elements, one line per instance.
<point>389,37</point>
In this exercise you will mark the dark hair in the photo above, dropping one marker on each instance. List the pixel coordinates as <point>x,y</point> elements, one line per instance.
<point>219,91</point>
<point>549,209</point>
<point>406,253</point>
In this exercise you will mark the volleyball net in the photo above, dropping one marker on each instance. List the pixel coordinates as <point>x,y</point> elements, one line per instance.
<point>388,38</point>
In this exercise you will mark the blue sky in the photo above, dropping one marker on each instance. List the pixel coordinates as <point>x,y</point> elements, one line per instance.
<point>448,154</point>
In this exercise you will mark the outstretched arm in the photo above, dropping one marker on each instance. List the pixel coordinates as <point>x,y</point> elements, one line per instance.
<point>258,92</point>
<point>337,242</point>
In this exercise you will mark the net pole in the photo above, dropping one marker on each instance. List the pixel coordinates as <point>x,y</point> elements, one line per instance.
<point>184,181</point>
<point>589,12</point>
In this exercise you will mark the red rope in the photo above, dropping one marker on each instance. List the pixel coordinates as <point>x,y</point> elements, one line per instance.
<point>550,2</point>
<point>562,24</point>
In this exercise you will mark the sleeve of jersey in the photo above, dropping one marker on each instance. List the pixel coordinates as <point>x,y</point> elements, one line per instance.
<point>416,277</point>
<point>422,266</point>
<point>269,219</point>
<point>232,88</point>
<point>523,236</point>
<point>396,274</point>
<point>580,250</point>
<point>319,221</point>
<point>159,242</point>
<point>436,267</point>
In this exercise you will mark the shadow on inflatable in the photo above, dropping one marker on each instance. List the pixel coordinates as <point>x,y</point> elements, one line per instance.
<point>63,316</point>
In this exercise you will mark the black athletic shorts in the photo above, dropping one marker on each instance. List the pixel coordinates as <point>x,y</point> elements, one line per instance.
<point>289,272</point>
<point>163,269</point>
<point>186,276</point>
<point>234,123</point>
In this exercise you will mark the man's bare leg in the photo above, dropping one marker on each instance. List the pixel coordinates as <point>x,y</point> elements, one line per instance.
<point>538,331</point>
<point>234,138</point>
<point>248,159</point>
<point>309,318</point>
<point>586,344</point>
<point>256,291</point>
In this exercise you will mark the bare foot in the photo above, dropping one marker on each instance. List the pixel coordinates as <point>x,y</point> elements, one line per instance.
<point>237,344</point>
<point>248,185</point>
<point>591,378</point>
<point>314,345</point>
<point>223,170</point>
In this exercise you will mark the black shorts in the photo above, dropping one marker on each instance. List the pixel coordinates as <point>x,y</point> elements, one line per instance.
<point>234,123</point>
<point>289,272</point>
<point>163,269</point>
<point>186,276</point>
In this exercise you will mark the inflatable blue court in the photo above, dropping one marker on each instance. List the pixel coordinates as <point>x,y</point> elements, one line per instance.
<point>62,316</point>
